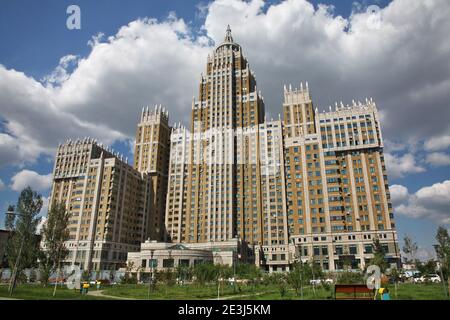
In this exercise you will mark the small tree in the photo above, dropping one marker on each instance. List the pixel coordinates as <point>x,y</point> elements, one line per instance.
<point>379,255</point>
<point>295,277</point>
<point>410,249</point>
<point>443,250</point>
<point>443,254</point>
<point>55,233</point>
<point>427,267</point>
<point>22,250</point>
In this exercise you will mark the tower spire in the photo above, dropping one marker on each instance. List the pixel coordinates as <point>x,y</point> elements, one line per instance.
<point>228,36</point>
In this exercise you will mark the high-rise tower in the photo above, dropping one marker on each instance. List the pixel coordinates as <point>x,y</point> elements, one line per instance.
<point>151,156</point>
<point>223,190</point>
<point>108,202</point>
<point>310,186</point>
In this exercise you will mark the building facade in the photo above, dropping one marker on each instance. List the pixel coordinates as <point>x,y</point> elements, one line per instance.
<point>108,201</point>
<point>151,157</point>
<point>311,186</point>
<point>308,186</point>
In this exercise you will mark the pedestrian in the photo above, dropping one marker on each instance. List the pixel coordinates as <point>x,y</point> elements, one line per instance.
<point>386,295</point>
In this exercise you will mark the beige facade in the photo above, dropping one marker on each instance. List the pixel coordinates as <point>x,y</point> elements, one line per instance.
<point>310,185</point>
<point>108,202</point>
<point>151,156</point>
<point>163,255</point>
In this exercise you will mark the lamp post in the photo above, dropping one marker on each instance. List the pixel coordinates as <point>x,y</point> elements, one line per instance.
<point>299,246</point>
<point>12,282</point>
<point>234,272</point>
<point>150,280</point>
<point>398,260</point>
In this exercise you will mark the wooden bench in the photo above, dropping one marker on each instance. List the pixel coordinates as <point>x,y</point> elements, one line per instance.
<point>353,292</point>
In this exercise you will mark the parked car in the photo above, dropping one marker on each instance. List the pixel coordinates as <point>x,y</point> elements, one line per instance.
<point>433,278</point>
<point>321,281</point>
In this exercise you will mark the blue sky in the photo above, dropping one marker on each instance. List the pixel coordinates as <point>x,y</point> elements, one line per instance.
<point>34,39</point>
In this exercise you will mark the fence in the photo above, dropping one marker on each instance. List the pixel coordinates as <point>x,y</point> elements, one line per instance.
<point>34,274</point>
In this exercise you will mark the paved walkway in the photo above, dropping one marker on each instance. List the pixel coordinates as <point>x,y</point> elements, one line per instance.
<point>99,293</point>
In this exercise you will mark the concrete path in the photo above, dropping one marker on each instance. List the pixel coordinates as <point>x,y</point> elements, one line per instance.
<point>99,293</point>
<point>241,296</point>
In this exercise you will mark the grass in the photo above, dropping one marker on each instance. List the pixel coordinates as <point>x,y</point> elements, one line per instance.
<point>194,291</point>
<point>38,292</point>
<point>409,291</point>
<point>209,291</point>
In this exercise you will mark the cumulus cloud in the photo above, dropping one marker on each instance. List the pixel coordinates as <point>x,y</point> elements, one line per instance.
<point>33,179</point>
<point>399,193</point>
<point>151,62</point>
<point>62,71</point>
<point>438,159</point>
<point>2,185</point>
<point>438,143</point>
<point>145,63</point>
<point>431,202</point>
<point>398,166</point>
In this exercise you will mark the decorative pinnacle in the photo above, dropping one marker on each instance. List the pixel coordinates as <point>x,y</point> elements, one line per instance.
<point>228,36</point>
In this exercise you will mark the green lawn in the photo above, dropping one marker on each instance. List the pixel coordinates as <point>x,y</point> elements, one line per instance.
<point>37,292</point>
<point>271,292</point>
<point>250,292</point>
<point>408,291</point>
<point>175,292</point>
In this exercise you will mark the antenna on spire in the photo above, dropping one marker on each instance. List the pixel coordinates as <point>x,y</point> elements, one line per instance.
<point>228,36</point>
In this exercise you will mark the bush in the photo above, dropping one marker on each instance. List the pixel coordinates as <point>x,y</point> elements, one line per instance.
<point>33,276</point>
<point>129,278</point>
<point>349,277</point>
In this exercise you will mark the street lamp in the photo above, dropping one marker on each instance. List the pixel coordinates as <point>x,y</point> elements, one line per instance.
<point>12,282</point>
<point>150,280</point>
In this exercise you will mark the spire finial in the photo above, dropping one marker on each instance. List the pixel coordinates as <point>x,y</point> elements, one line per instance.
<point>228,36</point>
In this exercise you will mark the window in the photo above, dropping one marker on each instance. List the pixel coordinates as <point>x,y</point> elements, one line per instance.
<point>183,262</point>
<point>168,263</point>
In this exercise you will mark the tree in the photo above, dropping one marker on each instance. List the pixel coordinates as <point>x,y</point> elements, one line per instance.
<point>295,277</point>
<point>22,250</point>
<point>301,274</point>
<point>443,254</point>
<point>379,255</point>
<point>55,233</point>
<point>410,249</point>
<point>443,250</point>
<point>426,268</point>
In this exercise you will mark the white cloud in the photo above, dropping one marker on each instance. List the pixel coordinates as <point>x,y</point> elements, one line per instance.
<point>151,62</point>
<point>61,72</point>
<point>145,63</point>
<point>438,143</point>
<point>2,185</point>
<point>431,202</point>
<point>33,179</point>
<point>438,159</point>
<point>398,166</point>
<point>399,193</point>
